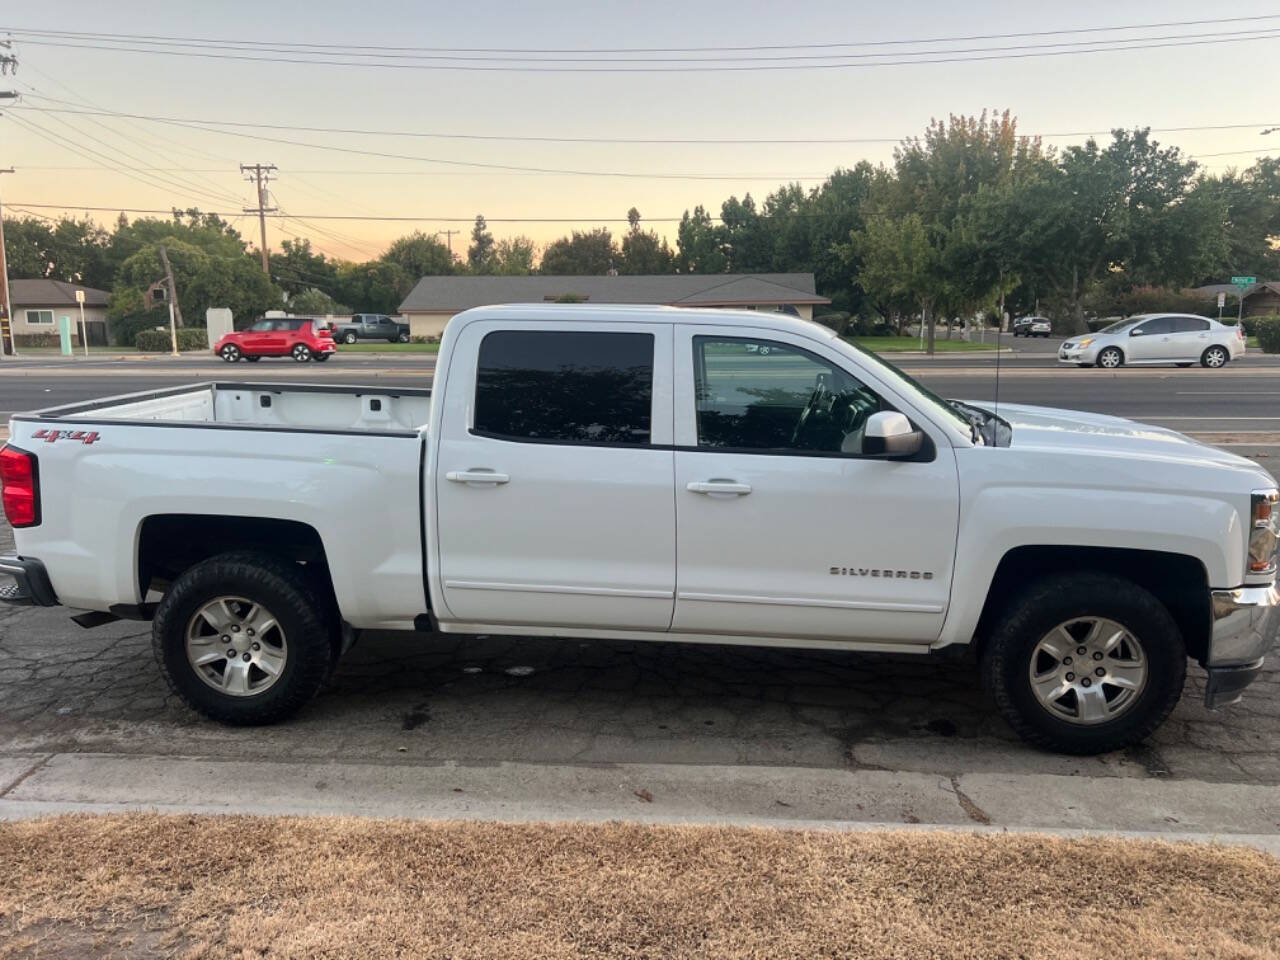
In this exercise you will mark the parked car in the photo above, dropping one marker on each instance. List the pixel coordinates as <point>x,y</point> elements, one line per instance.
<point>606,471</point>
<point>371,326</point>
<point>1032,327</point>
<point>277,337</point>
<point>1150,338</point>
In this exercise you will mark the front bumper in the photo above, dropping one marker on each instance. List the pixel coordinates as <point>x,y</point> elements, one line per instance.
<point>1246,626</point>
<point>1088,355</point>
<point>30,587</point>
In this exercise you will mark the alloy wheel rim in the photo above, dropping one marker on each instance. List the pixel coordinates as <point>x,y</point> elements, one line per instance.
<point>1215,358</point>
<point>236,646</point>
<point>1109,359</point>
<point>1088,670</point>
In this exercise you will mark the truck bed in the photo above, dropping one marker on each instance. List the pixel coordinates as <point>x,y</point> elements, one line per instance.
<point>324,408</point>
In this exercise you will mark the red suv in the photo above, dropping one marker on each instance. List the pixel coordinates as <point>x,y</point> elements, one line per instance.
<point>279,337</point>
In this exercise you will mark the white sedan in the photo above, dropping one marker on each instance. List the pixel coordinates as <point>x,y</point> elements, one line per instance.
<point>1148,338</point>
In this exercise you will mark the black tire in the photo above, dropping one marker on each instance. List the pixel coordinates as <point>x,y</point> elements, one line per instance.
<point>282,588</point>
<point>349,337</point>
<point>301,353</point>
<point>1215,357</point>
<point>253,359</point>
<point>403,338</point>
<point>1056,599</point>
<point>231,353</point>
<point>1111,352</point>
<point>321,357</point>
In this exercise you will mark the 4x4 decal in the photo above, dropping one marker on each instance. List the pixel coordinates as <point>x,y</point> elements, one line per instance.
<point>51,436</point>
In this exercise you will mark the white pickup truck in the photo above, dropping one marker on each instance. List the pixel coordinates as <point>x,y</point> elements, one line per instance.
<point>652,474</point>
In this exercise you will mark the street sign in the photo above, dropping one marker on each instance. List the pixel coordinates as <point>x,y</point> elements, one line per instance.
<point>1244,281</point>
<point>79,296</point>
<point>1222,299</point>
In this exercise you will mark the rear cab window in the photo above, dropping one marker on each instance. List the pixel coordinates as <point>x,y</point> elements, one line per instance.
<point>566,387</point>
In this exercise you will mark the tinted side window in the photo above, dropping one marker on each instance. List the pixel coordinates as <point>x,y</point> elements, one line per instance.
<point>1156,325</point>
<point>290,325</point>
<point>765,395</point>
<point>1189,325</point>
<point>565,387</point>
<point>261,325</point>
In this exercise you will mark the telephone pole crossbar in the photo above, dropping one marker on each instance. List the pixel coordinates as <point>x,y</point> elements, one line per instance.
<point>259,173</point>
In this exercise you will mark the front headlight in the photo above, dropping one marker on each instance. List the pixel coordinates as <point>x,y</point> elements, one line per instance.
<point>1264,532</point>
<point>1085,342</point>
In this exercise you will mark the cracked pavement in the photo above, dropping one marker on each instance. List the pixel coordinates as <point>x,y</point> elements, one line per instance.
<point>483,700</point>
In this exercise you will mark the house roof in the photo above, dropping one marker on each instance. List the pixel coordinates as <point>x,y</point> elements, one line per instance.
<point>442,294</point>
<point>1212,290</point>
<point>53,293</point>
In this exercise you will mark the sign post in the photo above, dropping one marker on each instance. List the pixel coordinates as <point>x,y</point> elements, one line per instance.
<point>1241,284</point>
<point>84,330</point>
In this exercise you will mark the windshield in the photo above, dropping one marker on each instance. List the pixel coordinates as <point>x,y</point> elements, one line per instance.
<point>913,389</point>
<point>1120,325</point>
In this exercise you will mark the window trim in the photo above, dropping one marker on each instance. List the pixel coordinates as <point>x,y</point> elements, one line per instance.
<point>40,323</point>
<point>475,431</point>
<point>928,449</point>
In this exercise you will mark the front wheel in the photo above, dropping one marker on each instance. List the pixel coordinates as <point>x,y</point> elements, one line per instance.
<point>242,639</point>
<point>301,353</point>
<point>1214,357</point>
<point>1085,663</point>
<point>230,353</point>
<point>349,337</point>
<point>1110,358</point>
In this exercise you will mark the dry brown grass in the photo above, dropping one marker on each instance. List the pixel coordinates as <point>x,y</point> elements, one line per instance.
<point>278,887</point>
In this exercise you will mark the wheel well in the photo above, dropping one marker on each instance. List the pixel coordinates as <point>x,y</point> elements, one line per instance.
<point>1119,350</point>
<point>1178,581</point>
<point>170,543</point>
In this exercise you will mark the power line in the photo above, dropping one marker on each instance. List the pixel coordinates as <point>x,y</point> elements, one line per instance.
<point>343,47</point>
<point>922,57</point>
<point>701,141</point>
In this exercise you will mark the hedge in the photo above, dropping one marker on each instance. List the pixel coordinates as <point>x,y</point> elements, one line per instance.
<point>1267,330</point>
<point>158,341</point>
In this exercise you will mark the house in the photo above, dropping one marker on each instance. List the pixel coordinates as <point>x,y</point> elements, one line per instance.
<point>435,299</point>
<point>1261,299</point>
<point>37,304</point>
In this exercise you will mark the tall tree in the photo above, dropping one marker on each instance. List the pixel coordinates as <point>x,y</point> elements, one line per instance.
<point>581,253</point>
<point>700,243</point>
<point>297,267</point>
<point>480,253</point>
<point>642,252</point>
<point>420,255</point>
<point>514,256</point>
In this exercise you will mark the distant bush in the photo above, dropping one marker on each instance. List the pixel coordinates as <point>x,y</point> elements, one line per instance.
<point>837,320</point>
<point>1267,330</point>
<point>158,341</point>
<point>124,330</point>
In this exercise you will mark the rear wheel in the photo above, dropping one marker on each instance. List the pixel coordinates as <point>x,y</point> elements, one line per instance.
<point>1214,357</point>
<point>1085,663</point>
<point>300,352</point>
<point>349,337</point>
<point>403,338</point>
<point>231,353</point>
<point>1110,358</point>
<point>242,639</point>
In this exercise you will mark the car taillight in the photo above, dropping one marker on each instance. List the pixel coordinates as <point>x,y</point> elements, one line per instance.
<point>1264,532</point>
<point>19,478</point>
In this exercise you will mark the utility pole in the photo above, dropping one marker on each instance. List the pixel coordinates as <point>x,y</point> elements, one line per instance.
<point>168,279</point>
<point>259,173</point>
<point>448,237</point>
<point>7,345</point>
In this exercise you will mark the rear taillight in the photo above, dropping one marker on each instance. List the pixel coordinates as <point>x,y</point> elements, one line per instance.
<point>20,479</point>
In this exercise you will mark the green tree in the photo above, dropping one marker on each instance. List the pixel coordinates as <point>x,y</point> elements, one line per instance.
<point>28,248</point>
<point>700,243</point>
<point>582,253</point>
<point>642,251</point>
<point>480,253</point>
<point>899,264</point>
<point>420,255</point>
<point>66,249</point>
<point>297,267</point>
<point>313,302</point>
<point>1249,203</point>
<point>374,287</point>
<point>514,256</point>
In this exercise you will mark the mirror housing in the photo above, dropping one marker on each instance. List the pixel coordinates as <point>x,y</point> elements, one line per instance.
<point>1136,332</point>
<point>890,436</point>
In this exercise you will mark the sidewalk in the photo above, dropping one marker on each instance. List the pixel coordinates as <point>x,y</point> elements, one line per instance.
<point>1248,814</point>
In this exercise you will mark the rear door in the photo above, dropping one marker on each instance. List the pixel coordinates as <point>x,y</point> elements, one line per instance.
<point>554,476</point>
<point>784,528</point>
<point>1190,337</point>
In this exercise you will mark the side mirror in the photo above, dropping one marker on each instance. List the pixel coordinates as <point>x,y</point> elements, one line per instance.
<point>889,435</point>
<point>1137,332</point>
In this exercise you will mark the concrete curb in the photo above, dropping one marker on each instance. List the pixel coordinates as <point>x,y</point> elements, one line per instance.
<point>787,797</point>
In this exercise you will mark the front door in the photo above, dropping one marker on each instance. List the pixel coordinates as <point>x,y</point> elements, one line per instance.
<point>553,477</point>
<point>785,529</point>
<point>1152,340</point>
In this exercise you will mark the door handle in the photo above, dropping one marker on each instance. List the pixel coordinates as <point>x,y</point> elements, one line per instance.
<point>719,488</point>
<point>477,476</point>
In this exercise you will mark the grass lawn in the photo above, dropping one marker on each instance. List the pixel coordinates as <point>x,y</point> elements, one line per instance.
<point>374,347</point>
<point>909,344</point>
<point>213,887</point>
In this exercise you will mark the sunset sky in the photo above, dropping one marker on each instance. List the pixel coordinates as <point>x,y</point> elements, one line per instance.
<point>1196,84</point>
